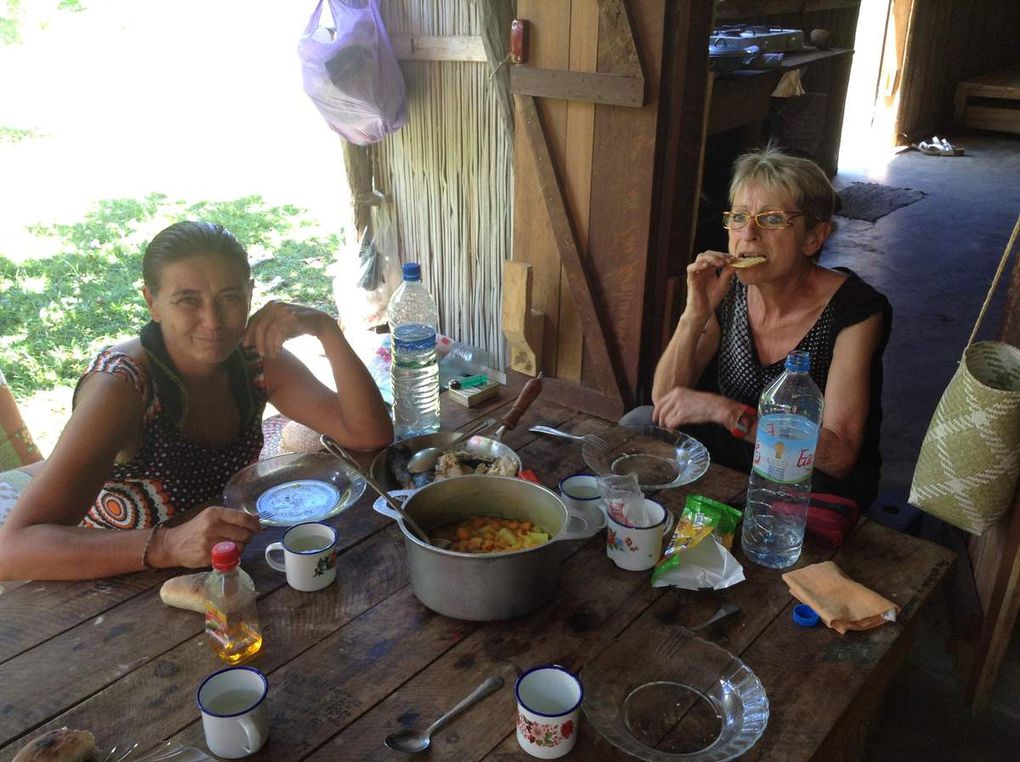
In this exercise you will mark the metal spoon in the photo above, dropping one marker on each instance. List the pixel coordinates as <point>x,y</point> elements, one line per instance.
<point>425,459</point>
<point>414,741</point>
<point>334,447</point>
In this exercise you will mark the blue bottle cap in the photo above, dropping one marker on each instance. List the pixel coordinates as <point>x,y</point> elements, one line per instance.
<point>411,271</point>
<point>798,362</point>
<point>804,615</point>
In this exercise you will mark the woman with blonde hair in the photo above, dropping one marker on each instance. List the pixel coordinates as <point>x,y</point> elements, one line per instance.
<point>766,296</point>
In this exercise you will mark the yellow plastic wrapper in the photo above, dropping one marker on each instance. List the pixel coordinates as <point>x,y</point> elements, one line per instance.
<point>701,517</point>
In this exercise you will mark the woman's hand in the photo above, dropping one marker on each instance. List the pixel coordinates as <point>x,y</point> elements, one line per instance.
<point>190,544</point>
<point>708,280</point>
<point>681,406</point>
<point>277,322</point>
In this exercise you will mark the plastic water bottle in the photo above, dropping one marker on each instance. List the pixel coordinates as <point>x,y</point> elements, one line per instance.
<point>414,371</point>
<point>779,489</point>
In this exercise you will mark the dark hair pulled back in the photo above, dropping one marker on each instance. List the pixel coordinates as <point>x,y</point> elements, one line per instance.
<point>189,239</point>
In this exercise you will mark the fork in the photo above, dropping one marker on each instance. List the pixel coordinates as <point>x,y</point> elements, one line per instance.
<point>593,438</point>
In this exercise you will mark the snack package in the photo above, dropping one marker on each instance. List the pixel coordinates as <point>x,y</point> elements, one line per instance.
<point>701,517</point>
<point>625,501</point>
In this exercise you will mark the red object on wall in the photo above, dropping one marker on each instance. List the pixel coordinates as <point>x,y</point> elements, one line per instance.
<point>519,41</point>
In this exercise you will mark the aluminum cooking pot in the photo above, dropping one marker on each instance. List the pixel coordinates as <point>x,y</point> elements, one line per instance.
<point>482,587</point>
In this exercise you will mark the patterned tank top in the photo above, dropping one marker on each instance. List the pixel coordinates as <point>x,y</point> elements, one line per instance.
<point>171,474</point>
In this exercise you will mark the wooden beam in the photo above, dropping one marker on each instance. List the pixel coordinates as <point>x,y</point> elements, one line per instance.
<point>611,89</point>
<point>417,47</point>
<point>569,252</point>
<point>742,9</point>
<point>623,87</point>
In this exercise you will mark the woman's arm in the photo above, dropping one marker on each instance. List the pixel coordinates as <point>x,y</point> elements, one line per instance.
<point>847,398</point>
<point>355,415</point>
<point>696,337</point>
<point>42,539</point>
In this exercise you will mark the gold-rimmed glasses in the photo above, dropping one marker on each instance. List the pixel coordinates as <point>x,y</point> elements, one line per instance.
<point>772,219</point>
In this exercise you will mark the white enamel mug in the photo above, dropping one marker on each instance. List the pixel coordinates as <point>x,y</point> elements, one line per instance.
<point>235,717</point>
<point>548,709</point>
<point>582,492</point>
<point>309,556</point>
<point>638,548</point>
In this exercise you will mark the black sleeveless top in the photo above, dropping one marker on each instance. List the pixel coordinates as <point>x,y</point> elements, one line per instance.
<point>741,376</point>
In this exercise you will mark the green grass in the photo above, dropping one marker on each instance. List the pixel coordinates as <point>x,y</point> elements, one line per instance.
<point>57,312</point>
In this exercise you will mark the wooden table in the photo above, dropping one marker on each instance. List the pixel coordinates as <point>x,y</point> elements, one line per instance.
<point>352,663</point>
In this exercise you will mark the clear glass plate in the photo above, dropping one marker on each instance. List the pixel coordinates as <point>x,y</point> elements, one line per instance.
<point>685,699</point>
<point>293,488</point>
<point>660,458</point>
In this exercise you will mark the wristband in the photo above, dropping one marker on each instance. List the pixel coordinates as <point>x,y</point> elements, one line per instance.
<point>145,550</point>
<point>745,422</point>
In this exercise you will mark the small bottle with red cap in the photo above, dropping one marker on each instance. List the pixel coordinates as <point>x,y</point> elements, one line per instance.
<point>231,619</point>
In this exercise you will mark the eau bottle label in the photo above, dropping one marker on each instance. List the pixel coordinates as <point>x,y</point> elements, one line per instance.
<point>784,450</point>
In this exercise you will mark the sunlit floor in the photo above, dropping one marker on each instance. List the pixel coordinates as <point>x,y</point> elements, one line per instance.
<point>935,260</point>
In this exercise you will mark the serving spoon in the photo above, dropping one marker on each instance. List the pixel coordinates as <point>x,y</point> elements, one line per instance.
<point>414,741</point>
<point>425,459</point>
<point>334,447</point>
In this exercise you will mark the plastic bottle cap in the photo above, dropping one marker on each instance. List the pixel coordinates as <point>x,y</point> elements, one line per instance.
<point>798,362</point>
<point>411,270</point>
<point>225,555</point>
<point>804,615</point>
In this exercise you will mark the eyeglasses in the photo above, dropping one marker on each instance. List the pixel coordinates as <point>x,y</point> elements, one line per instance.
<point>775,219</point>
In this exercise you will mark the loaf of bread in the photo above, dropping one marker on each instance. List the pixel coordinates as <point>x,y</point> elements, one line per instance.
<point>62,745</point>
<point>185,592</point>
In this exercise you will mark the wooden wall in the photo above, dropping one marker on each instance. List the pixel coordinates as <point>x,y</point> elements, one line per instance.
<point>604,157</point>
<point>949,41</point>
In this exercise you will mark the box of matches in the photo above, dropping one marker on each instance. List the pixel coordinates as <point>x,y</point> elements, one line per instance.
<point>474,395</point>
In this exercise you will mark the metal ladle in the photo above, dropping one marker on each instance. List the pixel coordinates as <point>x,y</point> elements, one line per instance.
<point>414,741</point>
<point>334,447</point>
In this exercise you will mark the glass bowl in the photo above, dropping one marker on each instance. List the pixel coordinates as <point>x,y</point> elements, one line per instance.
<point>293,488</point>
<point>660,458</point>
<point>685,699</point>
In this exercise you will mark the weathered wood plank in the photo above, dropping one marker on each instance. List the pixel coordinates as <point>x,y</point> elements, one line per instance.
<point>148,660</point>
<point>417,47</point>
<point>577,161</point>
<point>594,601</point>
<point>608,89</point>
<point>621,205</point>
<point>318,694</point>
<point>532,240</point>
<point>566,242</point>
<point>799,665</point>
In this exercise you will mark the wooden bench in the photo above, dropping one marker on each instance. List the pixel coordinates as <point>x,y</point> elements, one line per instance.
<point>1001,85</point>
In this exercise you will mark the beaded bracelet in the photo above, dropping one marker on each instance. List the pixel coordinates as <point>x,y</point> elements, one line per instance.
<point>145,550</point>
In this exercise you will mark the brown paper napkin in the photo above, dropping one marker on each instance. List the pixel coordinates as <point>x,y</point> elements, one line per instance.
<point>841,603</point>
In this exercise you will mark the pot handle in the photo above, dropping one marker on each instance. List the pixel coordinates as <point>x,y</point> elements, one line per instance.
<point>381,506</point>
<point>588,528</point>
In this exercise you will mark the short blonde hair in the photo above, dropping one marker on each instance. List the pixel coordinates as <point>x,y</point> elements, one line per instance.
<point>802,179</point>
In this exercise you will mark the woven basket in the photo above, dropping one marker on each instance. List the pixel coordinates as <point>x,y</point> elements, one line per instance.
<point>970,457</point>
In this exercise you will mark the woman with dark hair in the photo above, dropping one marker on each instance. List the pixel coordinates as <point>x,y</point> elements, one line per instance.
<point>161,422</point>
<point>767,296</point>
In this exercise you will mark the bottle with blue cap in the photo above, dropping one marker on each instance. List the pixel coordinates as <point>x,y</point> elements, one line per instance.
<point>414,371</point>
<point>779,487</point>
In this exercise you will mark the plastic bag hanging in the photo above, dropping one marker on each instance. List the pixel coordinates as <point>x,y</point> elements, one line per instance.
<point>350,72</point>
